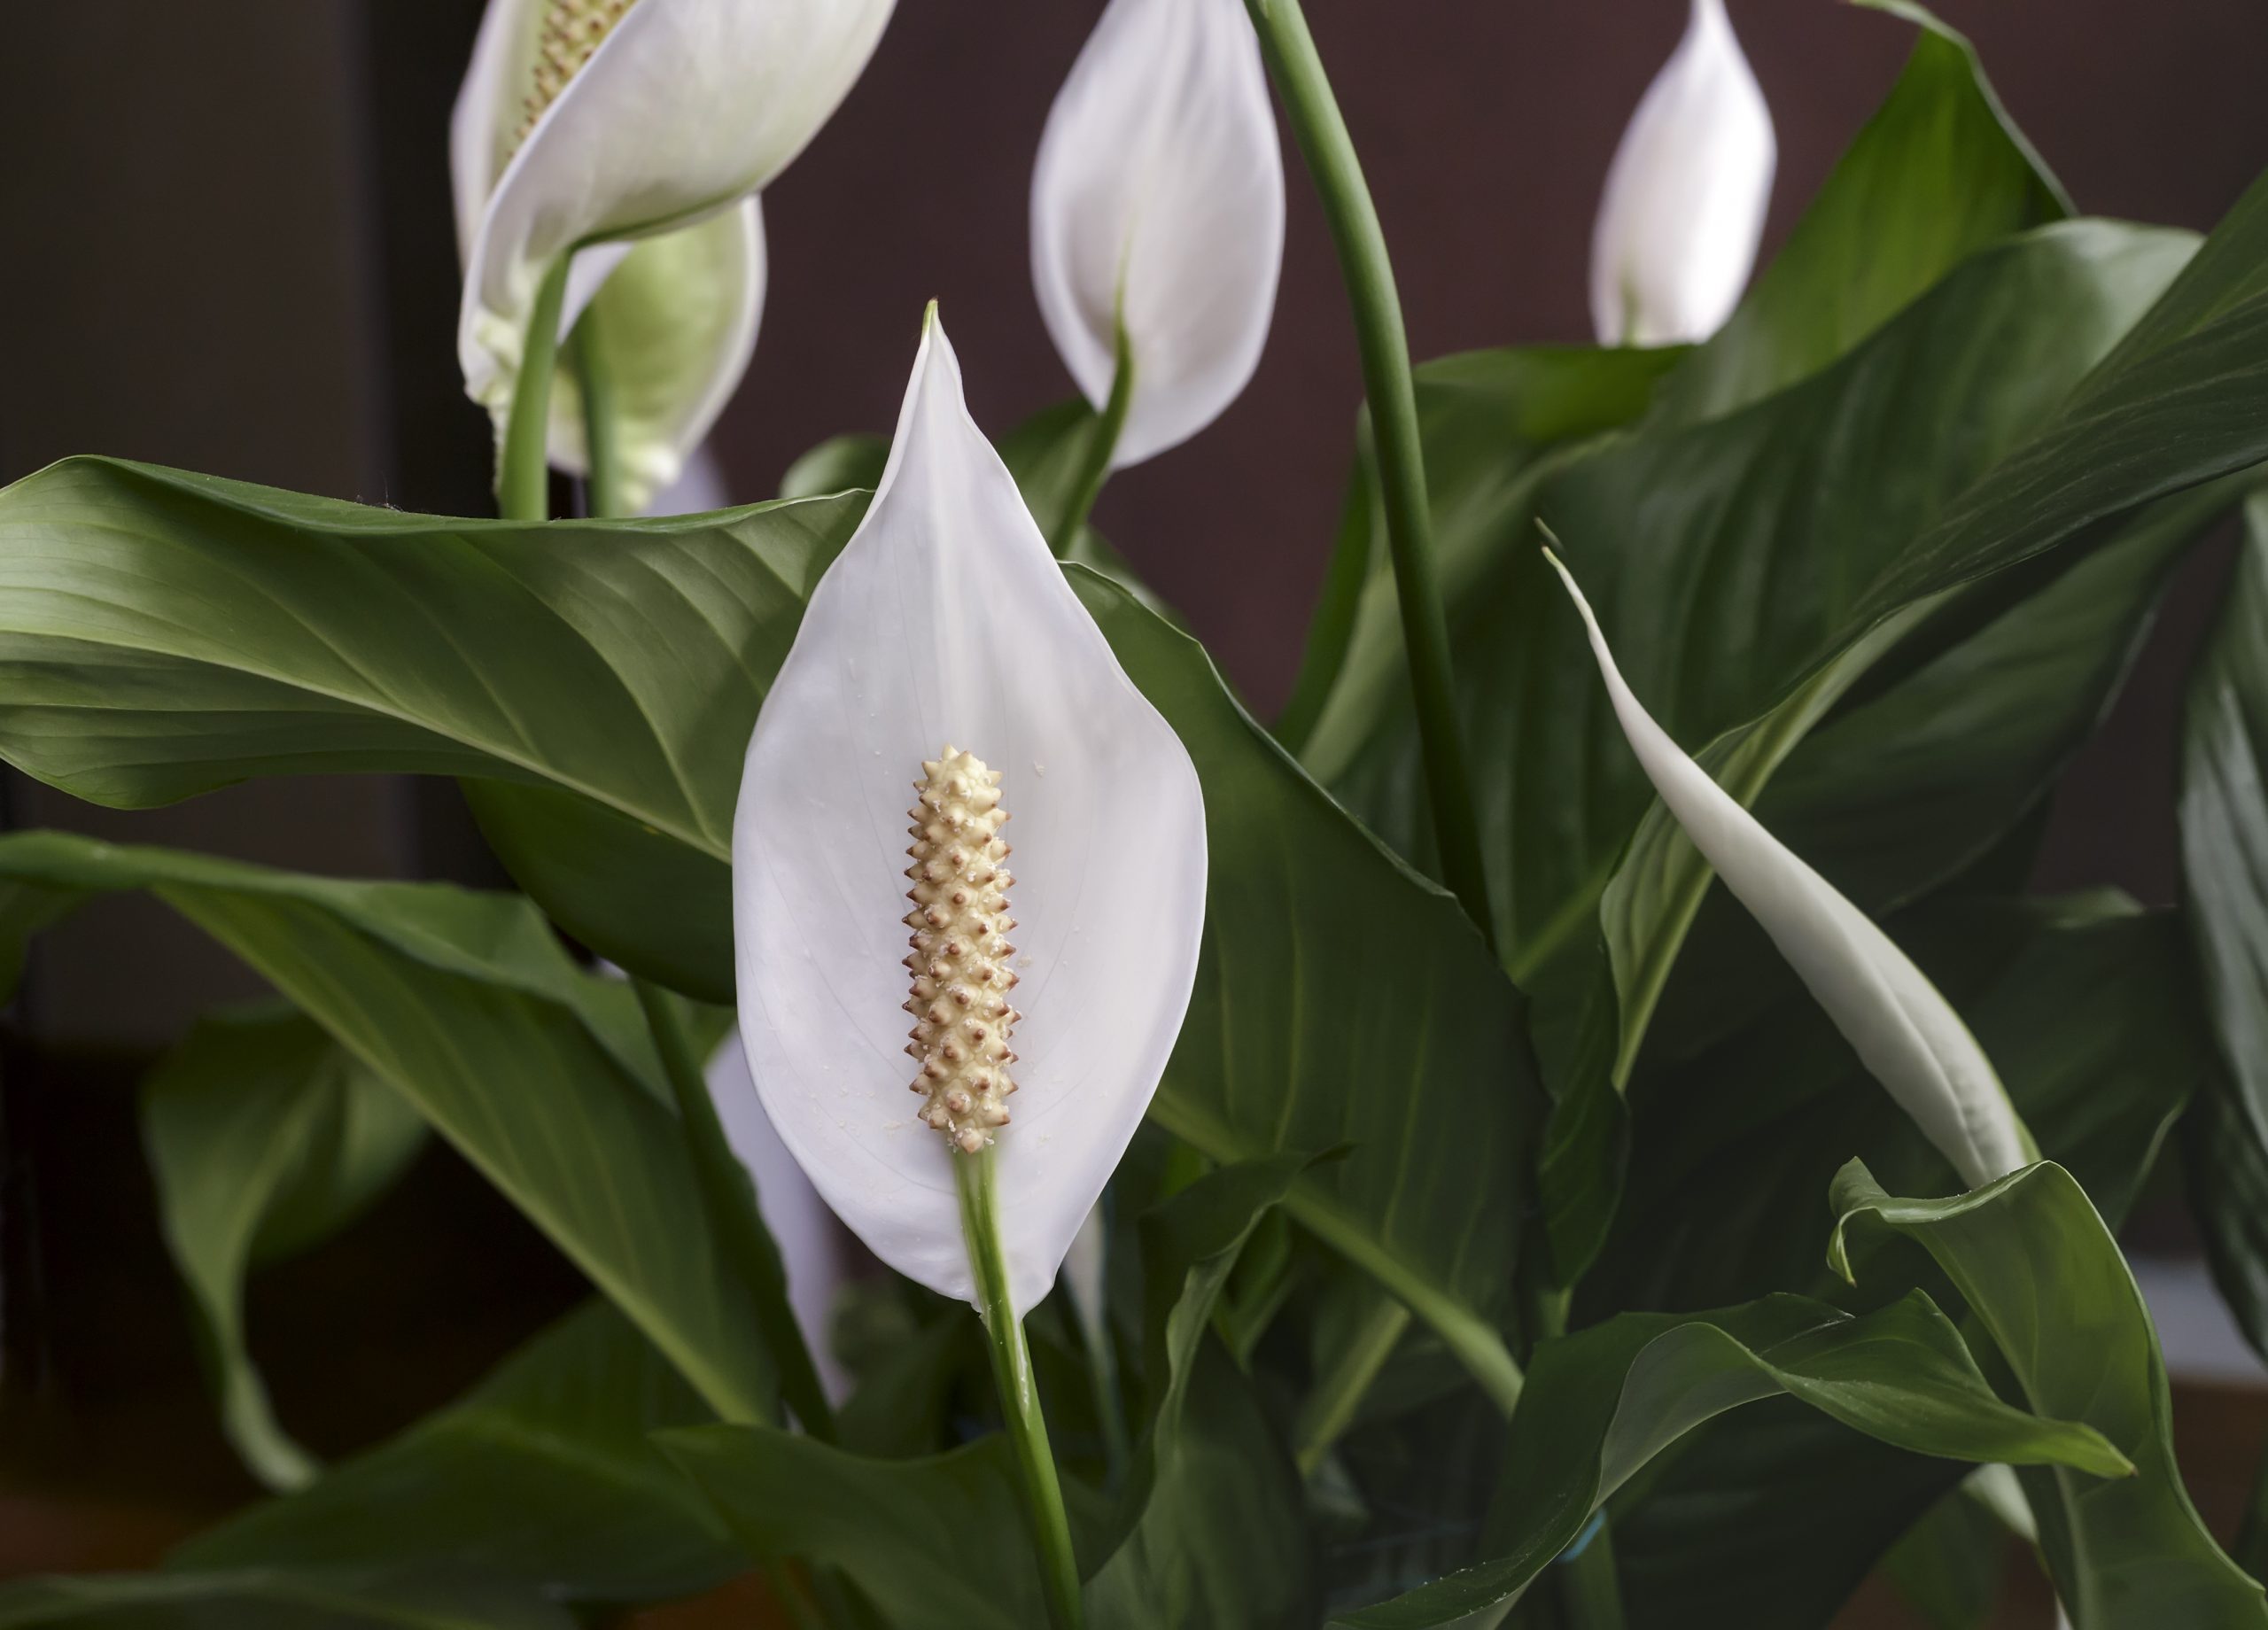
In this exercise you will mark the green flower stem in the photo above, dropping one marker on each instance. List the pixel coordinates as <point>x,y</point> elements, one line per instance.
<point>524,472</point>
<point>979,1223</point>
<point>601,439</point>
<point>729,1197</point>
<point>1329,1408</point>
<point>1100,450</point>
<point>1369,275</point>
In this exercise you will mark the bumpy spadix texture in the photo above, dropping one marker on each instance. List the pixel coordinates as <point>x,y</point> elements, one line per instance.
<point>1683,208</point>
<point>678,311</point>
<point>946,619</point>
<point>672,112</point>
<point>1904,1031</point>
<point>1158,197</point>
<point>961,957</point>
<point>571,32</point>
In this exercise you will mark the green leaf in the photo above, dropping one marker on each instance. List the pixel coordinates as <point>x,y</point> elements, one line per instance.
<point>1602,1403</point>
<point>1416,1064</point>
<point>542,1475</point>
<point>1947,1566</point>
<point>1724,560</point>
<point>2224,866</point>
<point>274,1599</point>
<point>263,1138</point>
<point>1492,424</point>
<point>2129,1551</point>
<point>1939,172</point>
<point>541,1076</point>
<point>621,662</point>
<point>2180,403</point>
<point>839,464</point>
<point>1213,1526</point>
<point>2086,1006</point>
<point>940,1543</point>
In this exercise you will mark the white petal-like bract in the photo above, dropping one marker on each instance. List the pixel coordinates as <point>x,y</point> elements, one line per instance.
<point>1903,1029</point>
<point>687,106</point>
<point>1159,195</point>
<point>946,619</point>
<point>1683,208</point>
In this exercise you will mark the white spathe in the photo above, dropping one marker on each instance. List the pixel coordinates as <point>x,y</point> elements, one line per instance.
<point>687,108</point>
<point>810,1245</point>
<point>1903,1029</point>
<point>1683,210</point>
<point>1159,194</point>
<point>946,619</point>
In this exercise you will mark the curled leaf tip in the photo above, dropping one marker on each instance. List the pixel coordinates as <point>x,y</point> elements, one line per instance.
<point>962,1021</point>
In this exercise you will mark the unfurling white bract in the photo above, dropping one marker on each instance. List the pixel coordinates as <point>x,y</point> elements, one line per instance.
<point>946,619</point>
<point>1683,209</point>
<point>1158,200</point>
<point>584,125</point>
<point>961,955</point>
<point>1903,1029</point>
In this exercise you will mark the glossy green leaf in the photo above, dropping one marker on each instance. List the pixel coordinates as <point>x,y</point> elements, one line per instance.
<point>274,1599</point>
<point>939,1543</point>
<point>540,1075</point>
<point>839,464</point>
<point>264,1136</point>
<point>1416,1065</point>
<point>622,662</point>
<point>2085,1005</point>
<point>542,1475</point>
<point>1938,172</point>
<point>2224,866</point>
<point>1605,1402</point>
<point>2045,1279</point>
<point>1214,1526</point>
<point>1947,1566</point>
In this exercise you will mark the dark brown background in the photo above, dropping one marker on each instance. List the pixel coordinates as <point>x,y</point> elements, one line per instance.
<point>224,243</point>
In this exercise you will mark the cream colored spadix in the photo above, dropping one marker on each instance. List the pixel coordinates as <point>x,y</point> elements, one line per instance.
<point>1904,1031</point>
<point>1159,195</point>
<point>1683,210</point>
<point>962,962</point>
<point>946,619</point>
<point>586,124</point>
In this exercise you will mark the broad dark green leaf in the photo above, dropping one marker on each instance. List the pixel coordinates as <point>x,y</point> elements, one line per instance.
<point>1340,999</point>
<point>2180,403</point>
<point>2084,1006</point>
<point>264,1136</point>
<point>1602,1403</point>
<point>274,1599</point>
<point>1938,173</point>
<point>166,634</point>
<point>2224,866</point>
<point>1947,1566</point>
<point>940,1543</point>
<point>1491,422</point>
<point>542,1475</point>
<point>839,464</point>
<point>2044,1277</point>
<point>1213,1525</point>
<point>465,1003</point>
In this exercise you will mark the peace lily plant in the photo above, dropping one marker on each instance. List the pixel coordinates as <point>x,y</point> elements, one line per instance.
<point>1356,1168</point>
